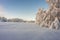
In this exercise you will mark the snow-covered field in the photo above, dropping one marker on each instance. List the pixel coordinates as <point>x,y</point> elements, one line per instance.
<point>26,31</point>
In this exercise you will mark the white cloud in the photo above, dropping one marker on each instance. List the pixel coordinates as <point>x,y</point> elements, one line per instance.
<point>1,10</point>
<point>4,13</point>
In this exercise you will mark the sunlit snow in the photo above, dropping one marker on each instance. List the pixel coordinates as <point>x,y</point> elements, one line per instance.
<point>26,31</point>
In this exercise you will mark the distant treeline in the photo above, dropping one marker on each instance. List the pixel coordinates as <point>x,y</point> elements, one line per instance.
<point>3,19</point>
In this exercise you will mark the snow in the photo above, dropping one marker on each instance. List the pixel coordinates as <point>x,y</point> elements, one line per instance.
<point>55,24</point>
<point>26,31</point>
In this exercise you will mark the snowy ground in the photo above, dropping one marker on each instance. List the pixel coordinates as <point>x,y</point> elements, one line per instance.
<point>25,31</point>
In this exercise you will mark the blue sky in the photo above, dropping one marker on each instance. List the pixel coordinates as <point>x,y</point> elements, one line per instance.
<point>25,9</point>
